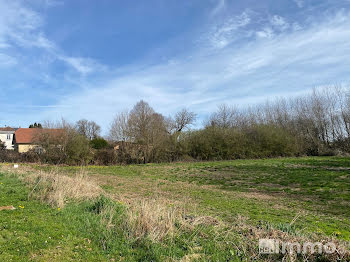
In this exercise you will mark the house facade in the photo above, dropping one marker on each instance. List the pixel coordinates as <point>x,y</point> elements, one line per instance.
<point>29,138</point>
<point>24,139</point>
<point>7,137</point>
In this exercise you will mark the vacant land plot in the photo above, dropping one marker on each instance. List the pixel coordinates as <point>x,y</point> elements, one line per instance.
<point>216,211</point>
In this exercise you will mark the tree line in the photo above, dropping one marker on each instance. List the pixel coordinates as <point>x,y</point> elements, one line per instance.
<point>316,124</point>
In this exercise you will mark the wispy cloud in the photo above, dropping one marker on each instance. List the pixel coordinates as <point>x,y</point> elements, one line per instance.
<point>299,3</point>
<point>279,22</point>
<point>7,61</point>
<point>220,5</point>
<point>283,64</point>
<point>17,23</point>
<point>224,33</point>
<point>83,65</point>
<point>53,3</point>
<point>21,27</point>
<point>241,58</point>
<point>266,32</point>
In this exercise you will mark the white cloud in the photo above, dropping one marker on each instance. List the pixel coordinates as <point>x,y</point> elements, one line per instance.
<point>270,63</point>
<point>21,27</point>
<point>7,61</point>
<point>80,64</point>
<point>245,25</point>
<point>266,32</point>
<point>220,5</point>
<point>225,33</point>
<point>17,23</point>
<point>279,22</point>
<point>276,65</point>
<point>53,3</point>
<point>83,65</point>
<point>47,3</point>
<point>273,26</point>
<point>296,26</point>
<point>299,3</point>
<point>43,42</point>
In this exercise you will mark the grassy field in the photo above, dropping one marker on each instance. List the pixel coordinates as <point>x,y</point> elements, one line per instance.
<point>207,211</point>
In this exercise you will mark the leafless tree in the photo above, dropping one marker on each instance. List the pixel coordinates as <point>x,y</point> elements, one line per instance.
<point>119,129</point>
<point>183,119</point>
<point>89,129</point>
<point>158,129</point>
<point>224,117</point>
<point>315,123</point>
<point>139,122</point>
<point>60,124</point>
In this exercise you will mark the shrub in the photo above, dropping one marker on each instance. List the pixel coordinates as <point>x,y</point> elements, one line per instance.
<point>77,149</point>
<point>105,157</point>
<point>98,143</point>
<point>216,143</point>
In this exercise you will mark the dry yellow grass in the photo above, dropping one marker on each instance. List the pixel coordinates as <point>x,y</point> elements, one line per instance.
<point>251,234</point>
<point>56,189</point>
<point>153,219</point>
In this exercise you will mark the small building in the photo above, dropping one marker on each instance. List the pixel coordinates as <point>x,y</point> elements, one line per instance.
<point>7,137</point>
<point>30,138</point>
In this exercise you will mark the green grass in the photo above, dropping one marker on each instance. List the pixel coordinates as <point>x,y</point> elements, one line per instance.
<point>267,193</point>
<point>319,187</point>
<point>37,232</point>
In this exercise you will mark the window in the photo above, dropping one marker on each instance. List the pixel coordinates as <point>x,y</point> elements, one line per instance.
<point>8,136</point>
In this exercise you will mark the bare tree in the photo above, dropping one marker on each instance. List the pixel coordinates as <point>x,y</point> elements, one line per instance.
<point>139,122</point>
<point>158,129</point>
<point>224,117</point>
<point>94,130</point>
<point>82,127</point>
<point>119,129</point>
<point>183,119</point>
<point>60,124</point>
<point>89,129</point>
<point>343,97</point>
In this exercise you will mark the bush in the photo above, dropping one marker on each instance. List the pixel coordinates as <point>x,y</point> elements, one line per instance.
<point>260,141</point>
<point>105,157</point>
<point>270,141</point>
<point>78,149</point>
<point>98,143</point>
<point>11,156</point>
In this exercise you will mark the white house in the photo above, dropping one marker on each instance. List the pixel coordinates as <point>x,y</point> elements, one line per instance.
<point>7,137</point>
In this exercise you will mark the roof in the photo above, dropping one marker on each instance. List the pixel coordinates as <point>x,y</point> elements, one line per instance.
<point>7,129</point>
<point>29,135</point>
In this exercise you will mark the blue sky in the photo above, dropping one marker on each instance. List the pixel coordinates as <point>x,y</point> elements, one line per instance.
<point>92,59</point>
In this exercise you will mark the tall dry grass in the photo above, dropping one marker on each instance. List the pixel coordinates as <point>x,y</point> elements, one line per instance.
<point>249,236</point>
<point>153,219</point>
<point>159,219</point>
<point>56,189</point>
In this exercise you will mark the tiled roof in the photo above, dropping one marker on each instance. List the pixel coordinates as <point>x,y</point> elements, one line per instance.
<point>29,135</point>
<point>7,129</point>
